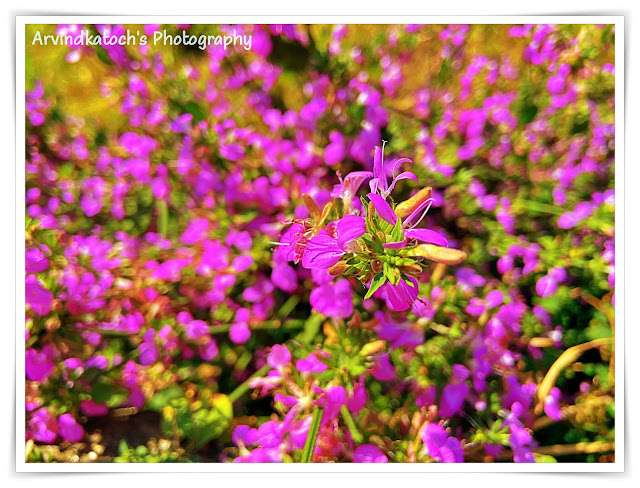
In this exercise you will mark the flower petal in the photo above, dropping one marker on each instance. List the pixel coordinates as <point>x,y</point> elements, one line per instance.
<point>350,228</point>
<point>418,214</point>
<point>383,208</point>
<point>321,252</point>
<point>402,176</point>
<point>396,245</point>
<point>398,162</point>
<point>378,168</point>
<point>428,236</point>
<point>401,296</point>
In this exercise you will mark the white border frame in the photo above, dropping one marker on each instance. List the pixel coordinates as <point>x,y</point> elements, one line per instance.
<point>617,466</point>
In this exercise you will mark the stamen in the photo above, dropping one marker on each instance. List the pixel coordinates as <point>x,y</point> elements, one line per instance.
<point>424,214</point>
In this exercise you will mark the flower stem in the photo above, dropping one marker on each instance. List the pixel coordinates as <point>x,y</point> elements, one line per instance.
<point>314,428</point>
<point>539,207</point>
<point>351,425</point>
<point>244,386</point>
<point>163,217</point>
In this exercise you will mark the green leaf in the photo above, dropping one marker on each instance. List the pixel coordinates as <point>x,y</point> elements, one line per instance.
<point>310,443</point>
<point>376,283</point>
<point>392,274</point>
<point>110,395</point>
<point>373,243</point>
<point>164,396</point>
<point>397,234</point>
<point>544,458</point>
<point>311,328</point>
<point>123,446</point>
<point>195,110</point>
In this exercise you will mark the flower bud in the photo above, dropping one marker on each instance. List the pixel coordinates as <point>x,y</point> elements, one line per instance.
<point>376,266</point>
<point>411,269</point>
<point>409,206</point>
<point>338,268</point>
<point>312,207</point>
<point>373,348</point>
<point>438,254</point>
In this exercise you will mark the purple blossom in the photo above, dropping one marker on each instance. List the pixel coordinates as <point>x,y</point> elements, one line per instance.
<point>552,404</point>
<point>43,426</point>
<point>38,366</point>
<point>379,182</point>
<point>37,296</point>
<point>382,369</point>
<point>367,453</point>
<point>323,251</point>
<point>333,300</point>
<point>440,446</point>
<point>310,365</point>
<point>69,429</point>
<point>403,295</point>
<point>348,187</point>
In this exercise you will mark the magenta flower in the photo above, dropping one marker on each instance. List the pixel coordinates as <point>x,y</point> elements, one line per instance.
<point>403,333</point>
<point>195,232</point>
<point>310,365</point>
<point>69,429</point>
<point>402,296</point>
<point>35,261</point>
<point>323,251</point>
<point>547,285</point>
<point>379,182</point>
<point>383,208</point>
<point>382,369</point>
<point>368,453</point>
<point>43,426</point>
<point>37,296</point>
<point>92,409</point>
<point>454,393</point>
<point>240,332</point>
<point>196,329</point>
<point>348,187</point>
<point>335,151</point>
<point>552,404</point>
<point>38,367</point>
<point>424,235</point>
<point>279,357</point>
<point>284,277</point>
<point>440,446</point>
<point>333,300</point>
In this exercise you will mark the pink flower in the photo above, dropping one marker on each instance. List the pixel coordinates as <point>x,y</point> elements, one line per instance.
<point>382,369</point>
<point>37,296</point>
<point>440,446</point>
<point>323,251</point>
<point>279,357</point>
<point>401,296</point>
<point>38,366</point>
<point>333,299</point>
<point>379,182</point>
<point>367,453</point>
<point>69,429</point>
<point>43,426</point>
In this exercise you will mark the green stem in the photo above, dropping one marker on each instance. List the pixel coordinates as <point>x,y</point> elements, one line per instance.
<point>310,329</point>
<point>163,217</point>
<point>539,207</point>
<point>312,436</point>
<point>293,324</point>
<point>244,386</point>
<point>351,425</point>
<point>288,306</point>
